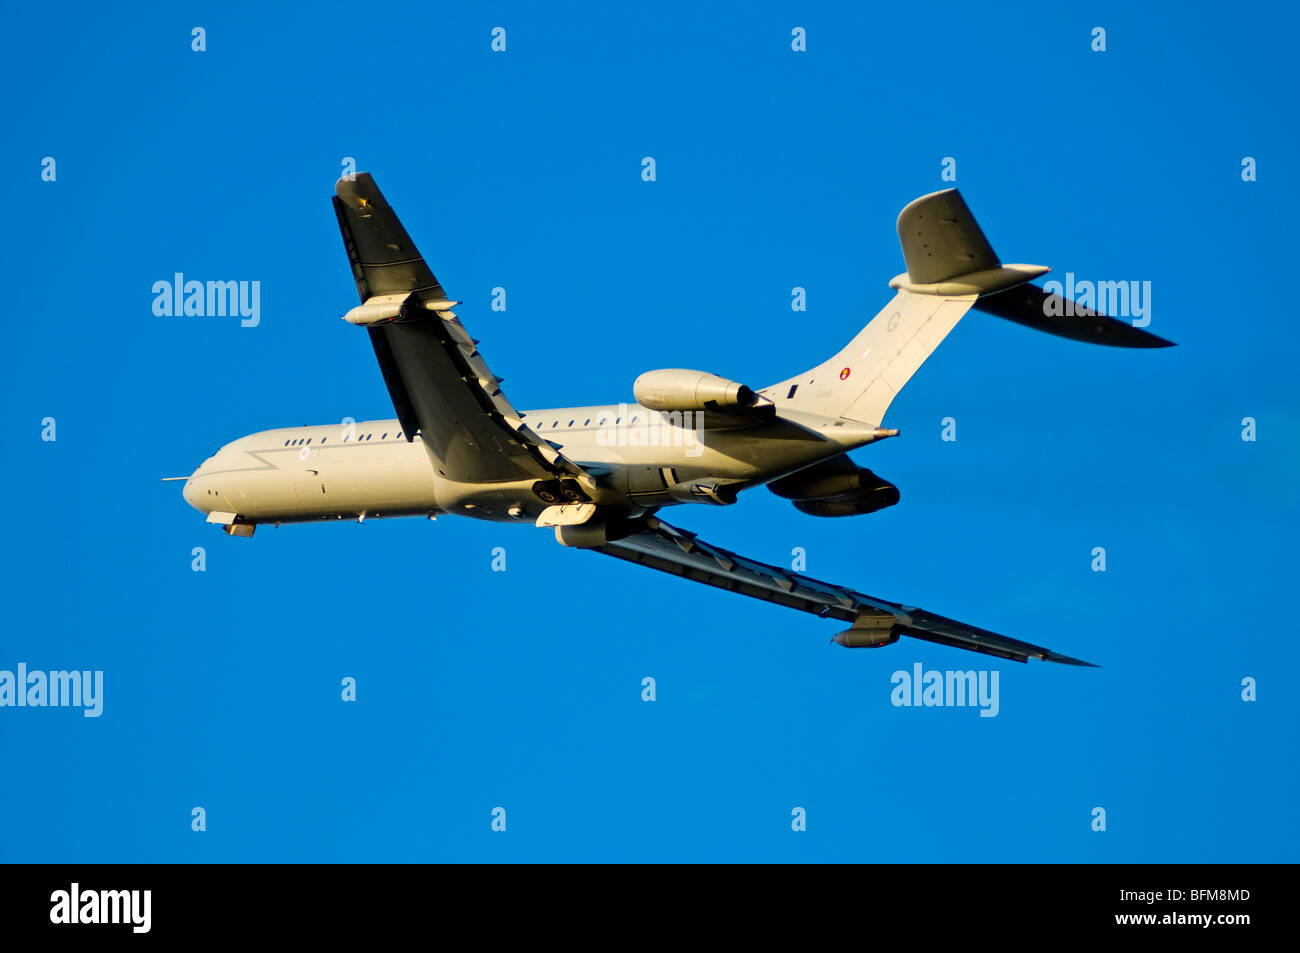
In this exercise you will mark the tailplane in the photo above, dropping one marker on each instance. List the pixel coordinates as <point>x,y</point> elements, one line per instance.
<point>951,267</point>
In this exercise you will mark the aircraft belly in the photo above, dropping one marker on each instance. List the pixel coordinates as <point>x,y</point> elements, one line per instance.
<point>645,472</point>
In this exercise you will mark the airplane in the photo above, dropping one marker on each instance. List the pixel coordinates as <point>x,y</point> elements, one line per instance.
<point>600,475</point>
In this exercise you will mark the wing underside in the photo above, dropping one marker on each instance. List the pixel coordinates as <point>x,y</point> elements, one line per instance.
<point>872,621</point>
<point>1040,309</point>
<point>437,379</point>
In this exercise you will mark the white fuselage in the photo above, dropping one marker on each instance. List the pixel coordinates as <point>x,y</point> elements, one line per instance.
<point>641,459</point>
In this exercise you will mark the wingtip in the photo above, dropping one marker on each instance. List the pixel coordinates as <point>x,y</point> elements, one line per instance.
<point>1153,340</point>
<point>347,184</point>
<point>1067,660</point>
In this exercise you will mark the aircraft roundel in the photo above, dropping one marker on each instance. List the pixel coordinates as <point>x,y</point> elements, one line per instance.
<point>844,374</point>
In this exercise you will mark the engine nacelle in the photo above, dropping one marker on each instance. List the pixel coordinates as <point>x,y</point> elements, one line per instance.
<point>869,504</point>
<point>678,389</point>
<point>836,488</point>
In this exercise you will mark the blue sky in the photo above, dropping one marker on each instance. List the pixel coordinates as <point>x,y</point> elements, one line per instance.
<point>522,689</point>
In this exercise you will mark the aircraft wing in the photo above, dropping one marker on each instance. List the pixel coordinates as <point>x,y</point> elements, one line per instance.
<point>873,622</point>
<point>437,379</point>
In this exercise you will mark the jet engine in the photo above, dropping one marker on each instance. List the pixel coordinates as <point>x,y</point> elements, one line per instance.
<point>836,487</point>
<point>677,389</point>
<point>856,506</point>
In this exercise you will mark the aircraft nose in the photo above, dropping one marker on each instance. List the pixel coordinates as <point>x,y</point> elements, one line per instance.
<point>190,491</point>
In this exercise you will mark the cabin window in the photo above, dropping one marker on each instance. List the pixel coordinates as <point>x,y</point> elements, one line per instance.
<point>570,423</point>
<point>587,422</point>
<point>384,437</point>
<point>286,443</point>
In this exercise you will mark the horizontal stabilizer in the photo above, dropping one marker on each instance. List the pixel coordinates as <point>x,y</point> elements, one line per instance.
<point>1042,310</point>
<point>941,239</point>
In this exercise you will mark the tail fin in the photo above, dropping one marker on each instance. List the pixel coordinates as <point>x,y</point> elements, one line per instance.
<point>946,253</point>
<point>860,382</point>
<point>949,264</point>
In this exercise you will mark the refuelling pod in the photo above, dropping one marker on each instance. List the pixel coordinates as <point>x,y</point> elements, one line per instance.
<point>869,633</point>
<point>599,529</point>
